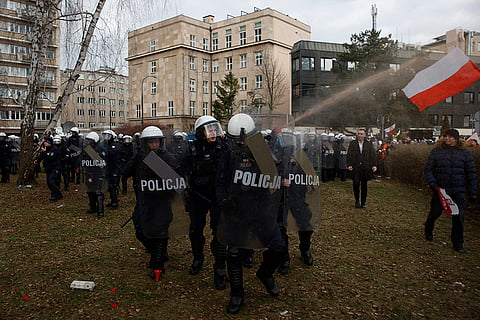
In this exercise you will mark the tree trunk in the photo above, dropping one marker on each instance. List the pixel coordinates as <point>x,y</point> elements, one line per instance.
<point>44,26</point>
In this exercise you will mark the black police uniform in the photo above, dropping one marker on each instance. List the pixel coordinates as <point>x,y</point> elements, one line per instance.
<point>127,151</point>
<point>5,159</point>
<point>114,170</point>
<point>53,166</point>
<point>75,144</point>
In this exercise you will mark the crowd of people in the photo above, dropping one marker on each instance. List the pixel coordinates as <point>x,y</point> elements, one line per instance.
<point>246,180</point>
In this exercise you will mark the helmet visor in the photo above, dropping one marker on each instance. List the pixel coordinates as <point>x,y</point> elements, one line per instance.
<point>213,130</point>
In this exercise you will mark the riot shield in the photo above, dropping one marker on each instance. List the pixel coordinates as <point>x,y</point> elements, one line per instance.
<point>160,199</point>
<point>249,214</point>
<point>93,171</point>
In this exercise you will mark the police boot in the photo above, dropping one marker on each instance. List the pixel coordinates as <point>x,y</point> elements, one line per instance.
<point>219,252</point>
<point>101,209</point>
<point>235,273</point>
<point>247,257</point>
<point>271,260</point>
<point>113,199</point>
<point>157,258</point>
<point>92,202</point>
<point>285,261</point>
<point>197,242</point>
<point>305,237</point>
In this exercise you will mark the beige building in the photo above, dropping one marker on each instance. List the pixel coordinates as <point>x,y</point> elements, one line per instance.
<point>15,55</point>
<point>465,40</point>
<point>99,101</point>
<point>175,64</point>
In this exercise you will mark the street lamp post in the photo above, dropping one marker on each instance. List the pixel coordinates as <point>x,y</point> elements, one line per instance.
<point>141,97</point>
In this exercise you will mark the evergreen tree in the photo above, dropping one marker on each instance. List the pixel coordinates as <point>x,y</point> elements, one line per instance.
<point>223,107</point>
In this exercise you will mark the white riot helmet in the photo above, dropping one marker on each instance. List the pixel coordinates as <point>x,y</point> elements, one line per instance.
<point>57,139</point>
<point>93,136</point>
<point>238,122</point>
<point>75,129</point>
<point>127,139</point>
<point>3,134</point>
<point>151,132</point>
<point>207,127</point>
<point>108,135</point>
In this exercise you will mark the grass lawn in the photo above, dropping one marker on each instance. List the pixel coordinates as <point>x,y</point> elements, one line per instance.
<point>369,263</point>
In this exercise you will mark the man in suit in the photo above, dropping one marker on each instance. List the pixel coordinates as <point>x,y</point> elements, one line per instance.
<point>361,162</point>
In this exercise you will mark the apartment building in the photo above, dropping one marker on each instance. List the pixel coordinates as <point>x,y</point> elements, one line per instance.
<point>15,56</point>
<point>99,101</point>
<point>176,64</point>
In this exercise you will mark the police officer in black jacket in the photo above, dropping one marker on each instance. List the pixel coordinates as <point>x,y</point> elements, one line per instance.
<point>5,157</point>
<point>114,166</point>
<point>50,156</point>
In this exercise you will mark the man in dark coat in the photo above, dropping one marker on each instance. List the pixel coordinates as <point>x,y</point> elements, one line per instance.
<point>450,166</point>
<point>361,162</point>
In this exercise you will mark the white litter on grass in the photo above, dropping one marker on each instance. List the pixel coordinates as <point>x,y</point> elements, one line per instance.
<point>284,313</point>
<point>60,206</point>
<point>459,284</point>
<point>133,248</point>
<point>82,285</point>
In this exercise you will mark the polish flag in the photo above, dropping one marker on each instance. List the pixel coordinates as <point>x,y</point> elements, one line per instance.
<point>449,206</point>
<point>445,78</point>
<point>390,129</point>
<point>474,139</point>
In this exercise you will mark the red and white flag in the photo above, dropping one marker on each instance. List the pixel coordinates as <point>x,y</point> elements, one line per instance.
<point>449,206</point>
<point>473,139</point>
<point>390,130</point>
<point>445,78</point>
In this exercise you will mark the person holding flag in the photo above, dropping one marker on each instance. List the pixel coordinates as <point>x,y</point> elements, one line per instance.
<point>450,166</point>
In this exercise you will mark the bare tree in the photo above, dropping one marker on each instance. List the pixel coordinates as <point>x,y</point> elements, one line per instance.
<point>274,85</point>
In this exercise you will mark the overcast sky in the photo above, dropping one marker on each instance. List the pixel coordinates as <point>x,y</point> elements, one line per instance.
<point>410,21</point>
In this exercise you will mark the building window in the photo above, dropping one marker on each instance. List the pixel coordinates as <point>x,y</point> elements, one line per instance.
<point>468,97</point>
<point>154,88</point>
<point>205,43</point>
<point>205,65</point>
<point>205,86</point>
<point>121,102</point>
<point>170,108</point>
<point>113,113</point>
<point>243,35</point>
<point>91,100</point>
<point>215,41</point>
<point>449,118</point>
<point>101,113</point>
<point>215,87</point>
<point>449,100</point>
<point>91,77</point>
<point>193,41</point>
<point>113,90</point>
<point>258,81</point>
<point>258,58</point>
<point>243,105</point>
<point>91,88</point>
<point>228,39</point>
<point>258,31</point>
<point>81,125</point>
<point>102,89</point>
<point>228,63</point>
<point>466,121</point>
<point>112,102</point>
<point>243,61</point>
<point>91,124</point>
<point>80,112</point>
<point>296,64</point>
<point>154,109</point>
<point>80,87</point>
<point>296,90</point>
<point>113,124</point>
<point>205,108</point>
<point>192,85</point>
<point>326,64</point>
<point>243,84</point>
<point>138,111</point>
<point>192,108</point>
<point>433,119</point>
<point>91,112</point>
<point>215,66</point>
<point>153,44</point>
<point>121,114</point>
<point>308,63</point>
<point>192,63</point>
<point>102,101</point>
<point>308,89</point>
<point>153,66</point>
<point>80,99</point>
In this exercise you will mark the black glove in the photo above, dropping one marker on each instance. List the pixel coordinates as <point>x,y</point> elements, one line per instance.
<point>472,198</point>
<point>433,186</point>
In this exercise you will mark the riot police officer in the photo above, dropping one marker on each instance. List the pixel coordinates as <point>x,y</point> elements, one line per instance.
<point>249,208</point>
<point>205,151</point>
<point>50,156</point>
<point>75,143</point>
<point>153,208</point>
<point>64,161</point>
<point>127,151</point>
<point>5,157</point>
<point>340,149</point>
<point>114,166</point>
<point>93,164</point>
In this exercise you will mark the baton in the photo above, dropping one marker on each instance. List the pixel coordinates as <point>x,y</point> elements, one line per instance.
<point>126,222</point>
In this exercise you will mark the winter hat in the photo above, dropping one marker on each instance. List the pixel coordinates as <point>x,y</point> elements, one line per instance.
<point>49,140</point>
<point>452,133</point>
